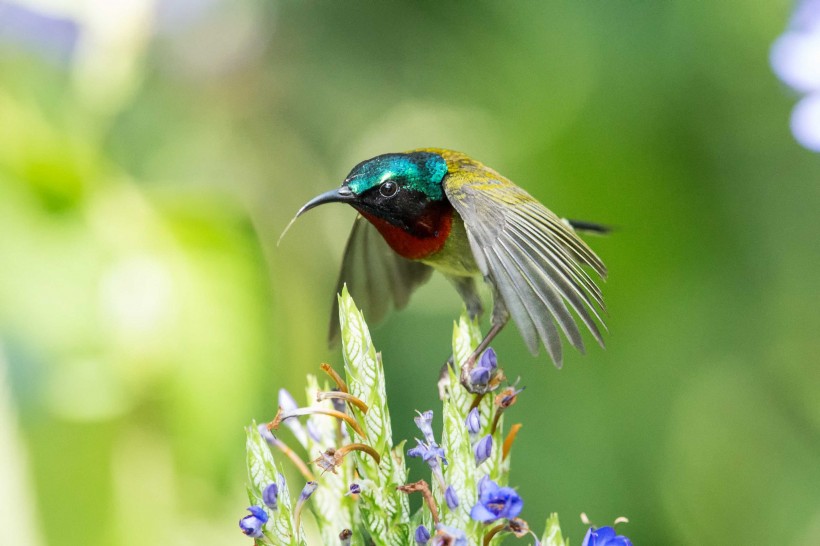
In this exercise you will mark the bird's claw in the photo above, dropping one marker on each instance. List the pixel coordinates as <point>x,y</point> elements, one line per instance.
<point>490,381</point>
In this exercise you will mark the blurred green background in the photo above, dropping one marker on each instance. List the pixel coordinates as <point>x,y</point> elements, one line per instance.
<point>151,152</point>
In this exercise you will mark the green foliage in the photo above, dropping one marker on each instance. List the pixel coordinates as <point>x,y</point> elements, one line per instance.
<point>380,512</point>
<point>385,509</point>
<point>262,471</point>
<point>552,533</point>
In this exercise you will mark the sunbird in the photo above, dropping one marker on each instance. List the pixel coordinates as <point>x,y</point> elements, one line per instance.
<point>437,209</point>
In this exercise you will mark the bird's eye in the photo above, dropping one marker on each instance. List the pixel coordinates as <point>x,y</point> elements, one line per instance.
<point>388,188</point>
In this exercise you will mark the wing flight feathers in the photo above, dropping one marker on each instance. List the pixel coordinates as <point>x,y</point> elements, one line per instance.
<point>376,277</point>
<point>534,259</point>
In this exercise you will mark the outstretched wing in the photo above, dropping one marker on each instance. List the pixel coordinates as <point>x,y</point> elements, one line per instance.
<point>534,259</point>
<point>376,277</point>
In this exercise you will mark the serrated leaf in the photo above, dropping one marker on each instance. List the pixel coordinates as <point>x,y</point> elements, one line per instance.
<point>383,507</point>
<point>462,472</point>
<point>262,471</point>
<point>552,533</point>
<point>466,337</point>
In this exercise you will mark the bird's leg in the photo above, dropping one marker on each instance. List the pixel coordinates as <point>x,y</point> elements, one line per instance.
<point>500,317</point>
<point>473,358</point>
<point>466,288</point>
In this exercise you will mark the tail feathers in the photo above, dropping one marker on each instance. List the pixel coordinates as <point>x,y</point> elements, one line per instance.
<point>588,227</point>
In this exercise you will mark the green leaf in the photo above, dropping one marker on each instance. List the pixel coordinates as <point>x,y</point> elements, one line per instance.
<point>466,337</point>
<point>462,472</point>
<point>262,471</point>
<point>552,533</point>
<point>383,507</point>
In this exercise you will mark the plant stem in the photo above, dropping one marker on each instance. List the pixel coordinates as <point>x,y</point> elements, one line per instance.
<point>422,487</point>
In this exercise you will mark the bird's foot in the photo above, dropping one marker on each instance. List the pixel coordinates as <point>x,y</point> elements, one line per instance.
<point>477,375</point>
<point>466,368</point>
<point>481,375</point>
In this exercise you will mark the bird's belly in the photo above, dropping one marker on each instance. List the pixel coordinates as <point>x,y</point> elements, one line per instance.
<point>456,257</point>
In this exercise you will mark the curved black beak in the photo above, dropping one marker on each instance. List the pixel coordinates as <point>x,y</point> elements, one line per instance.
<point>338,195</point>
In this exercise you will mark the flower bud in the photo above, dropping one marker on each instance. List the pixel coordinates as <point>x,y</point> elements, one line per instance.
<point>483,449</point>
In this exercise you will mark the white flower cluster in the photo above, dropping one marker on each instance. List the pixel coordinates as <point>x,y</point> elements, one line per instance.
<point>795,58</point>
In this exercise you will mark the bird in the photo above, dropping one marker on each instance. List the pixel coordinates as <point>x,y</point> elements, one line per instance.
<point>437,209</point>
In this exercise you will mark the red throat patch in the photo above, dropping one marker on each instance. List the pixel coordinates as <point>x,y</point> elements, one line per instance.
<point>410,246</point>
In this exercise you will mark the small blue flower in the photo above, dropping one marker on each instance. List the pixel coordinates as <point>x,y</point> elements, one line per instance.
<point>422,535</point>
<point>451,497</point>
<point>270,495</point>
<point>479,376</point>
<point>489,359</point>
<point>449,536</point>
<point>307,491</point>
<point>252,524</point>
<point>483,371</point>
<point>604,536</point>
<point>425,423</point>
<point>473,421</point>
<point>429,453</point>
<point>495,502</point>
<point>355,489</point>
<point>483,449</point>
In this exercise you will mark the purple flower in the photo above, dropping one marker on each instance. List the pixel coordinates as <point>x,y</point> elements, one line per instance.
<point>473,422</point>
<point>433,455</point>
<point>425,423</point>
<point>483,371</point>
<point>354,489</point>
<point>422,535</point>
<point>489,359</point>
<point>270,495</point>
<point>483,449</point>
<point>451,497</point>
<point>307,491</point>
<point>429,453</point>
<point>495,502</point>
<point>604,536</point>
<point>252,524</point>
